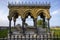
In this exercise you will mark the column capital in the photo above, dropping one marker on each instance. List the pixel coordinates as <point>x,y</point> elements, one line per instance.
<point>34,19</point>
<point>9,18</point>
<point>23,19</point>
<point>14,19</point>
<point>49,18</point>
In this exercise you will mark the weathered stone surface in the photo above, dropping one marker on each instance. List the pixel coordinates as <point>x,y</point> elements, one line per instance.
<point>34,10</point>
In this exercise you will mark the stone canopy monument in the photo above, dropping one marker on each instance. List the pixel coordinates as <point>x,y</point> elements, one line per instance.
<point>25,9</point>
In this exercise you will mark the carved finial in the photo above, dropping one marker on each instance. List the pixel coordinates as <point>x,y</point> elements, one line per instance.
<point>22,2</point>
<point>15,2</point>
<point>43,2</point>
<point>36,2</point>
<point>8,3</point>
<point>26,2</point>
<point>29,2</point>
<point>39,2</point>
<point>19,3</point>
<point>12,3</point>
<point>32,2</point>
<point>48,3</point>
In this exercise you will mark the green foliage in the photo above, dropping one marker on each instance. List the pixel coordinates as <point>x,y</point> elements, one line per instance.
<point>3,33</point>
<point>40,22</point>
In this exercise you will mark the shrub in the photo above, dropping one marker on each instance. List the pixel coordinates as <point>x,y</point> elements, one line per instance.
<point>3,33</point>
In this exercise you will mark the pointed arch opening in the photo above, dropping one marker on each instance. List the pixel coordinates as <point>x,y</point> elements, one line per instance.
<point>29,19</point>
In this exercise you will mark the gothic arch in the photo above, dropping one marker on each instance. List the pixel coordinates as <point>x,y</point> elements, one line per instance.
<point>14,12</point>
<point>45,13</point>
<point>27,13</point>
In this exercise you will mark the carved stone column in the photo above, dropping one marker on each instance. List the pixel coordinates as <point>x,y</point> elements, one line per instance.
<point>35,24</point>
<point>43,22</point>
<point>48,25</point>
<point>14,21</point>
<point>23,22</point>
<point>10,18</point>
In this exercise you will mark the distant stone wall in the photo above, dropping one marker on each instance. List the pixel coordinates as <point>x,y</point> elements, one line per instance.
<point>3,27</point>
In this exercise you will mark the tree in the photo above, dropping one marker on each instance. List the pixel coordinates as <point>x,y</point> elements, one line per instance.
<point>40,23</point>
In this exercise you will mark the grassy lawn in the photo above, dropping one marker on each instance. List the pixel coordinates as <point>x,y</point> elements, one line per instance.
<point>3,33</point>
<point>56,31</point>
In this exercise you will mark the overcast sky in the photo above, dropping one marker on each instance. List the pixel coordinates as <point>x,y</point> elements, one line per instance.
<point>54,12</point>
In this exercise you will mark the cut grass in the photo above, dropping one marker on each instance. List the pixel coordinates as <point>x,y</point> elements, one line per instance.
<point>56,31</point>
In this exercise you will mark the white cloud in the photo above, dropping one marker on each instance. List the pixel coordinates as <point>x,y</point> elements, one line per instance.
<point>3,17</point>
<point>55,12</point>
<point>55,18</point>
